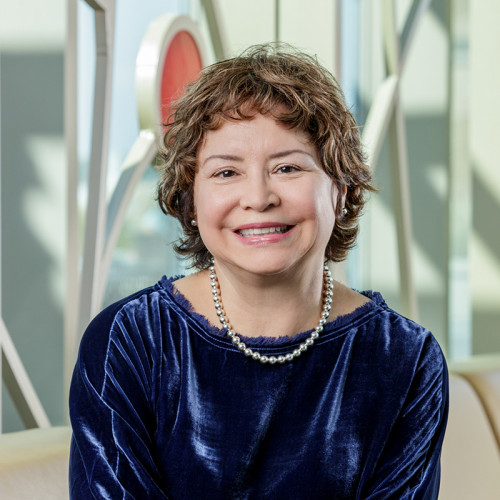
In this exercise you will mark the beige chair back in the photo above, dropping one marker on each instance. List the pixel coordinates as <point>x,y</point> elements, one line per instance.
<point>34,464</point>
<point>470,461</point>
<point>487,387</point>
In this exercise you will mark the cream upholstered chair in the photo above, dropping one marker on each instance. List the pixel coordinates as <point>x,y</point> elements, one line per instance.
<point>470,461</point>
<point>34,464</point>
<point>486,383</point>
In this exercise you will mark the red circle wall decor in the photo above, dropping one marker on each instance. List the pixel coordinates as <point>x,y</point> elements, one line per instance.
<point>182,65</point>
<point>171,55</point>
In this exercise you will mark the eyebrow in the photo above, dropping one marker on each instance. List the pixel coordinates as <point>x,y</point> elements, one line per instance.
<point>279,154</point>
<point>288,152</point>
<point>223,157</point>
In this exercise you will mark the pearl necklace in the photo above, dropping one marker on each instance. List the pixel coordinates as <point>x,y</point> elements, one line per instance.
<point>236,340</point>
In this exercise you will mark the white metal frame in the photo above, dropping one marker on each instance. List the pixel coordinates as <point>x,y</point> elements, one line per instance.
<point>95,219</point>
<point>386,119</point>
<point>105,220</point>
<point>215,23</point>
<point>79,303</point>
<point>459,304</point>
<point>72,242</point>
<point>19,385</point>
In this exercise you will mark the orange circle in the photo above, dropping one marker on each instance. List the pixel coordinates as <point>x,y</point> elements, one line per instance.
<point>182,65</point>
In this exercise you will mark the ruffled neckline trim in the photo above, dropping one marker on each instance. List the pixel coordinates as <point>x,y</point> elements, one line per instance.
<point>340,322</point>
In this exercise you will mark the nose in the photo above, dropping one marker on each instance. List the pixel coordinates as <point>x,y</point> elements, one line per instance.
<point>258,193</point>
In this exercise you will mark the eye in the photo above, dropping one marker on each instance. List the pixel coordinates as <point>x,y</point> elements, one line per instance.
<point>287,169</point>
<point>225,173</point>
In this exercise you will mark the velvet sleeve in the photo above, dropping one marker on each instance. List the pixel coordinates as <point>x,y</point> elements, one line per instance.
<point>112,410</point>
<point>409,466</point>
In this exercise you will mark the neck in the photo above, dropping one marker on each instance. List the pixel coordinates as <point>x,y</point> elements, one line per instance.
<point>272,306</point>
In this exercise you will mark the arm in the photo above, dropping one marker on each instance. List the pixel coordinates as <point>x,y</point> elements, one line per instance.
<point>409,467</point>
<point>112,413</point>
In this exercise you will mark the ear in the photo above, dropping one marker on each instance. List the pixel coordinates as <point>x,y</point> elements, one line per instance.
<point>342,195</point>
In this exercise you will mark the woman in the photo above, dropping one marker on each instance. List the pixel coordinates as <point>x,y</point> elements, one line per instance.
<point>259,377</point>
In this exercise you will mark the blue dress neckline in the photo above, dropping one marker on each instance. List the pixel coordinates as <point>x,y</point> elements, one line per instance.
<point>340,322</point>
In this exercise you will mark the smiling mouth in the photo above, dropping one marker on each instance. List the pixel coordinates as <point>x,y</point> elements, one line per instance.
<point>259,231</point>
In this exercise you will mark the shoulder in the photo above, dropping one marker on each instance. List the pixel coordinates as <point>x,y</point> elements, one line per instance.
<point>395,326</point>
<point>398,344</point>
<point>401,356</point>
<point>121,322</point>
<point>98,329</point>
<point>380,323</point>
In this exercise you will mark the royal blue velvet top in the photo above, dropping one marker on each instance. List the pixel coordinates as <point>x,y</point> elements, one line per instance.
<point>163,406</point>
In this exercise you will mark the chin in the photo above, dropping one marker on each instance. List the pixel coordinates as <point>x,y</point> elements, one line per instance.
<point>269,266</point>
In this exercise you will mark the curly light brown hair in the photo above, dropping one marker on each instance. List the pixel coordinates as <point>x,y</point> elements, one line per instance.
<point>298,93</point>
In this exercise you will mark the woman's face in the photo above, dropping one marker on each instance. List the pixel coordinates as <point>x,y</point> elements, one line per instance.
<point>263,202</point>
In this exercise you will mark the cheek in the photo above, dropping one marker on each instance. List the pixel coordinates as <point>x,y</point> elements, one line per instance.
<point>326,207</point>
<point>333,197</point>
<point>326,200</point>
<point>311,200</point>
<point>210,206</point>
<point>201,198</point>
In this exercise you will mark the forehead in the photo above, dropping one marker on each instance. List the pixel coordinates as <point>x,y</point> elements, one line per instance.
<point>260,131</point>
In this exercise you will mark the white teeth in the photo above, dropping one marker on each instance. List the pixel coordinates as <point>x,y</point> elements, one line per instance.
<point>262,230</point>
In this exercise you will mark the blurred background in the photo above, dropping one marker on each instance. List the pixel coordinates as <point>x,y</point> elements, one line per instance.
<point>420,77</point>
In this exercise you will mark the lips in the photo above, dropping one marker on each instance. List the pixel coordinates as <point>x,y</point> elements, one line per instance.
<point>260,231</point>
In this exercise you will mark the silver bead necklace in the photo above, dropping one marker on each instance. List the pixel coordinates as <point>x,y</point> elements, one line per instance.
<point>236,340</point>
